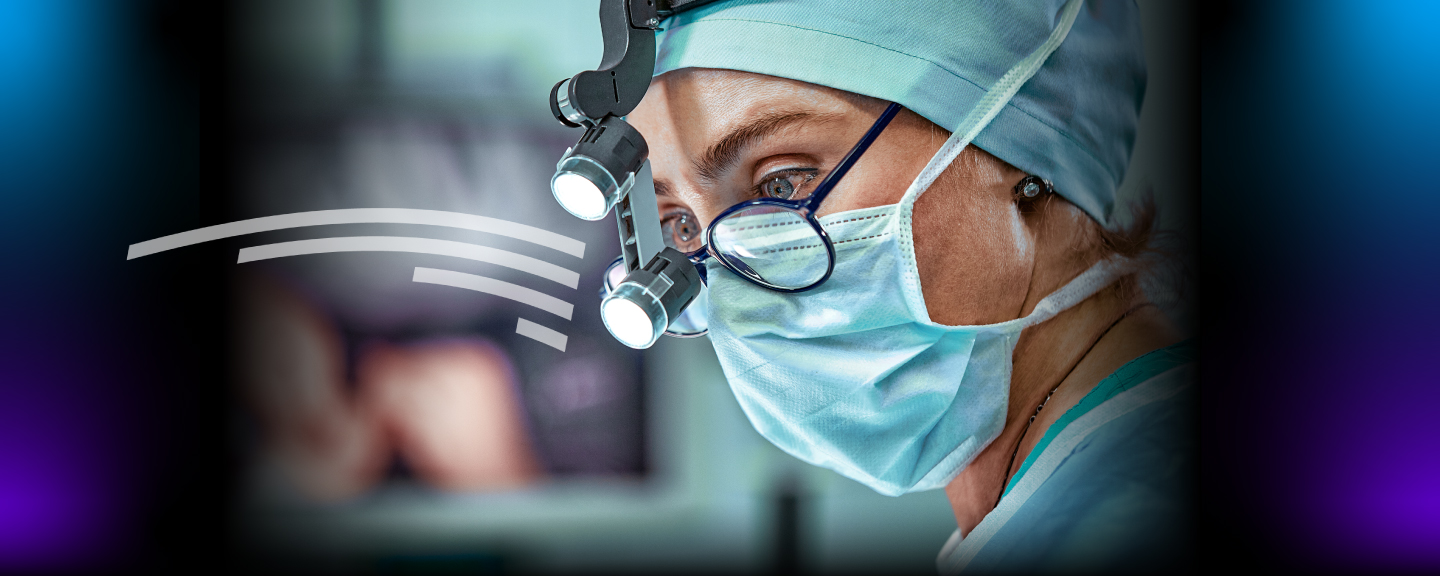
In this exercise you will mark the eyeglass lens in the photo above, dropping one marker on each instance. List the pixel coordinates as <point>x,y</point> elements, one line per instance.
<point>773,244</point>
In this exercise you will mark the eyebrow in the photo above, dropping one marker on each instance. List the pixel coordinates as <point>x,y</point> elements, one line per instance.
<point>662,188</point>
<point>722,155</point>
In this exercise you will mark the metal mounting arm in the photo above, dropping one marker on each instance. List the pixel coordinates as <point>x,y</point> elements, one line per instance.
<point>619,83</point>
<point>616,87</point>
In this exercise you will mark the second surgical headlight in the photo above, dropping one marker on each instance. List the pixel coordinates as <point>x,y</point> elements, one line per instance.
<point>598,171</point>
<point>645,303</point>
<point>691,323</point>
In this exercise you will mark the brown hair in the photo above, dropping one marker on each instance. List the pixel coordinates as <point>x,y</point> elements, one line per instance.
<point>1138,239</point>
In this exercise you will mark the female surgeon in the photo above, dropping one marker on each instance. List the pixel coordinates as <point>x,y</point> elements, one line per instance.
<point>982,329</point>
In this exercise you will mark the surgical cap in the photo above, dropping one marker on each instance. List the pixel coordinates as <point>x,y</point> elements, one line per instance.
<point>1073,123</point>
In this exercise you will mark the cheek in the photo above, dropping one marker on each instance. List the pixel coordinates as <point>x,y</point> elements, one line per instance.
<point>883,174</point>
<point>974,255</point>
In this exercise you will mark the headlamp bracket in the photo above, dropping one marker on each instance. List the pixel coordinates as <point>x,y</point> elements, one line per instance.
<point>626,66</point>
<point>638,217</point>
<point>615,156</point>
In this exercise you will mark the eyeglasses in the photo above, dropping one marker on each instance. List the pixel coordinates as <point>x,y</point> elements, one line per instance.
<point>776,243</point>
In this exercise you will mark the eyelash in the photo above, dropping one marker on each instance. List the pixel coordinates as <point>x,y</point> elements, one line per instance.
<point>811,174</point>
<point>668,223</point>
<point>673,217</point>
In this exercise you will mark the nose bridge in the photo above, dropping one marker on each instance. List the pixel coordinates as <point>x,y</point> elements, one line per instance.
<point>682,186</point>
<point>700,195</point>
<point>674,145</point>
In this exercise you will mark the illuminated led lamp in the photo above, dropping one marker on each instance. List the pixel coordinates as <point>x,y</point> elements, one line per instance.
<point>691,323</point>
<point>641,307</point>
<point>600,169</point>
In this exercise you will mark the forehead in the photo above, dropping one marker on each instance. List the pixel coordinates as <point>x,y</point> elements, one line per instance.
<point>694,106</point>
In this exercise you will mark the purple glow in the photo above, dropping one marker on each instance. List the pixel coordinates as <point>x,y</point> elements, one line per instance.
<point>42,507</point>
<point>57,487</point>
<point>1364,467</point>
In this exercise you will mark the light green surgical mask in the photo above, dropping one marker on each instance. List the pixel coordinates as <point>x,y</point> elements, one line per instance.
<point>853,375</point>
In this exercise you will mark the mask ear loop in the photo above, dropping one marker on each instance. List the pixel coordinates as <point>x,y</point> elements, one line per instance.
<point>1087,284</point>
<point>979,117</point>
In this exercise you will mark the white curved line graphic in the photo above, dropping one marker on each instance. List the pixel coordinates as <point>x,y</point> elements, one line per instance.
<point>541,334</point>
<point>518,231</point>
<point>499,288</point>
<point>416,245</point>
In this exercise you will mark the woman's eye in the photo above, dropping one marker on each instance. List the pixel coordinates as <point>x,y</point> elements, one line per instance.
<point>786,185</point>
<point>681,231</point>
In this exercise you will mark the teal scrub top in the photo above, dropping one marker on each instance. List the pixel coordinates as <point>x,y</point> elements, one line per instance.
<point>1109,487</point>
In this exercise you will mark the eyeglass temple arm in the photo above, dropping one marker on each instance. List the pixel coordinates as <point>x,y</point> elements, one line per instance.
<point>698,258</point>
<point>829,183</point>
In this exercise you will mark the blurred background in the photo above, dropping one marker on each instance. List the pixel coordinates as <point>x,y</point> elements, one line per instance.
<point>457,445</point>
<point>132,434</point>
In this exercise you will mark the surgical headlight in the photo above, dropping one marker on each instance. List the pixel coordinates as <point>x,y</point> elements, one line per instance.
<point>690,323</point>
<point>600,169</point>
<point>643,304</point>
<point>607,169</point>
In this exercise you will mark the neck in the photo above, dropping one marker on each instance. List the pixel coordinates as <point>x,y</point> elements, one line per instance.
<point>1067,355</point>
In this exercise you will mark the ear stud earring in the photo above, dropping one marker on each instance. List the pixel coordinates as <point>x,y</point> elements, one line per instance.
<point>1032,187</point>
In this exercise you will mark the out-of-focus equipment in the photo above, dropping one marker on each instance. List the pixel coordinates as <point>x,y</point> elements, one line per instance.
<point>607,169</point>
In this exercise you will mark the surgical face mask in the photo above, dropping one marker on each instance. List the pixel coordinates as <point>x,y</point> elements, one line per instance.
<point>853,375</point>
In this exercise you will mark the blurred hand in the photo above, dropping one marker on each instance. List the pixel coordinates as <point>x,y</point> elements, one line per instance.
<point>291,371</point>
<point>452,410</point>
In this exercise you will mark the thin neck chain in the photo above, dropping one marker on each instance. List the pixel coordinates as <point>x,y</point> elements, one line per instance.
<point>1011,469</point>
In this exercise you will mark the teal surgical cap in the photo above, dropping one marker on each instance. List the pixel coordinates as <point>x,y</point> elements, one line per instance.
<point>1073,123</point>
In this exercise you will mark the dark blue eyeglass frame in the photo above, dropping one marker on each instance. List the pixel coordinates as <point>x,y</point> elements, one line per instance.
<point>806,207</point>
